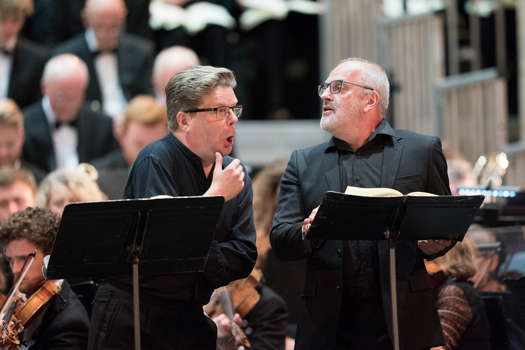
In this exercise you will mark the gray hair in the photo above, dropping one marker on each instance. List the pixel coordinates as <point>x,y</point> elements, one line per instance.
<point>186,89</point>
<point>374,76</point>
<point>24,7</point>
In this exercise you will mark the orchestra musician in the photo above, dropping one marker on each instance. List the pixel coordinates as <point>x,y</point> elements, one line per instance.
<point>262,315</point>
<point>46,313</point>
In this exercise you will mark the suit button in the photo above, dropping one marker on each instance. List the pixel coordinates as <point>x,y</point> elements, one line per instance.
<point>95,105</point>
<point>339,252</point>
<point>338,287</point>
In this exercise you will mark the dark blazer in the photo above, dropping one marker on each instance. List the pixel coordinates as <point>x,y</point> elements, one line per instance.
<point>65,323</point>
<point>134,57</point>
<point>28,63</point>
<point>95,137</point>
<point>411,162</point>
<point>112,174</point>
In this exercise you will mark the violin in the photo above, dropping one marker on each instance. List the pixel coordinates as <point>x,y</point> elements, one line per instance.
<point>240,297</point>
<point>436,274</point>
<point>17,310</point>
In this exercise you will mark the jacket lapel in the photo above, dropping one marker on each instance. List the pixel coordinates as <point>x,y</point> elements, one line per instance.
<point>83,127</point>
<point>391,160</point>
<point>331,176</point>
<point>93,90</point>
<point>41,127</point>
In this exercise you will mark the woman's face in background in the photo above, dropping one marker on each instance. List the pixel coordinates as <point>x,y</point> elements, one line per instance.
<point>60,195</point>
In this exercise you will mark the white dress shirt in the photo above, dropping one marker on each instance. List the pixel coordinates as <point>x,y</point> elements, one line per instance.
<point>6,62</point>
<point>106,66</point>
<point>65,139</point>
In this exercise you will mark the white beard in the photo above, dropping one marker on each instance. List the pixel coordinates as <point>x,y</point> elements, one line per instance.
<point>328,122</point>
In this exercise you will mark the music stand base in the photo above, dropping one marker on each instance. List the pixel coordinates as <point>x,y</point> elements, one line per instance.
<point>136,303</point>
<point>393,291</point>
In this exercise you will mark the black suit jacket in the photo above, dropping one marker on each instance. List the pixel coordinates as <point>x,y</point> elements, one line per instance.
<point>95,136</point>
<point>28,63</point>
<point>64,325</point>
<point>134,57</point>
<point>411,162</point>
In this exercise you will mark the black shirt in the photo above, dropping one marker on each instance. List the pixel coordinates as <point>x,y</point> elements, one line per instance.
<point>168,167</point>
<point>361,168</point>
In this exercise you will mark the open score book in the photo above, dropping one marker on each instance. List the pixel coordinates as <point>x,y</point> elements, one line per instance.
<point>369,213</point>
<point>383,192</point>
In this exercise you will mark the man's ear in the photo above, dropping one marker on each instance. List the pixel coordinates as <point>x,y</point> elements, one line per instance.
<point>119,131</point>
<point>183,120</point>
<point>372,101</point>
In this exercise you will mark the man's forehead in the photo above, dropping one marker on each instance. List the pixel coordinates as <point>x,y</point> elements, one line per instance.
<point>16,189</point>
<point>11,131</point>
<point>20,248</point>
<point>220,95</point>
<point>344,71</point>
<point>11,14</point>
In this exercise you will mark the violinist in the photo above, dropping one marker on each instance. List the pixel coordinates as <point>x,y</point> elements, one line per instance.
<point>47,313</point>
<point>259,311</point>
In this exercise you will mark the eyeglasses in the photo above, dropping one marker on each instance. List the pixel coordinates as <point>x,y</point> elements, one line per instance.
<point>336,86</point>
<point>221,113</point>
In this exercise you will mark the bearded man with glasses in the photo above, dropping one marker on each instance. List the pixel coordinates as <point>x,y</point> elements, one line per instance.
<point>346,290</point>
<point>192,160</point>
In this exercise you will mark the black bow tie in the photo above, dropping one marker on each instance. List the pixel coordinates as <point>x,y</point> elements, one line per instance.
<point>98,52</point>
<point>73,123</point>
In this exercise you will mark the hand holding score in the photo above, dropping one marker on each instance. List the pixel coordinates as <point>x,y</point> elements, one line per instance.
<point>227,182</point>
<point>308,222</point>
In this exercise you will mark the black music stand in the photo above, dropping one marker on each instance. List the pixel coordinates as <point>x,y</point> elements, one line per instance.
<point>347,217</point>
<point>113,238</point>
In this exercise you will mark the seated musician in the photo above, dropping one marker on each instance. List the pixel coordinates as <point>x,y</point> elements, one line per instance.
<point>260,312</point>
<point>52,316</point>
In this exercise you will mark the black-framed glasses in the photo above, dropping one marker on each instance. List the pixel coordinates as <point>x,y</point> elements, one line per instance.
<point>337,85</point>
<point>221,113</point>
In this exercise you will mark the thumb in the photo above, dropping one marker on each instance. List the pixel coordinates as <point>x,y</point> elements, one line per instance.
<point>218,164</point>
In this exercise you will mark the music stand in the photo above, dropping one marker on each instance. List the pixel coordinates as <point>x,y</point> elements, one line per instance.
<point>347,217</point>
<point>163,236</point>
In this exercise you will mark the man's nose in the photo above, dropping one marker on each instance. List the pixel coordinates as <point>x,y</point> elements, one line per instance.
<point>232,118</point>
<point>16,268</point>
<point>12,207</point>
<point>327,94</point>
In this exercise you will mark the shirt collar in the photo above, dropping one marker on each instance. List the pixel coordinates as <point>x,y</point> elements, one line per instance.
<point>383,128</point>
<point>48,111</point>
<point>10,44</point>
<point>91,40</point>
<point>192,157</point>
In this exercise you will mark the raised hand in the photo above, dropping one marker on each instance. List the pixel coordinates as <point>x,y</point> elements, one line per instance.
<point>308,222</point>
<point>227,182</point>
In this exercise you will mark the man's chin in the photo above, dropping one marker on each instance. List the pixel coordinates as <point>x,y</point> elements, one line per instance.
<point>325,123</point>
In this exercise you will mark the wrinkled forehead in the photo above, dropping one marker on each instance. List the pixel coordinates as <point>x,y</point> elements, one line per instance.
<point>344,71</point>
